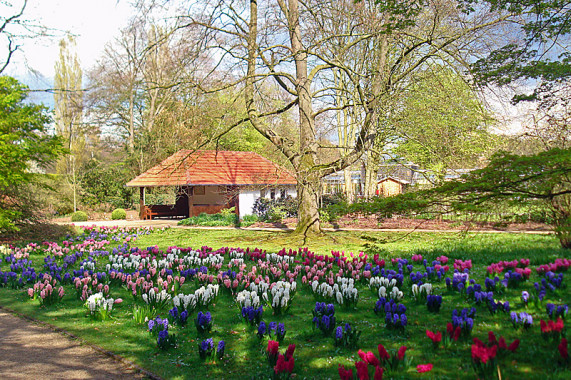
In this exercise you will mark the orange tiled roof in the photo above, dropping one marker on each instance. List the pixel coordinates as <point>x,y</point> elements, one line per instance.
<point>214,168</point>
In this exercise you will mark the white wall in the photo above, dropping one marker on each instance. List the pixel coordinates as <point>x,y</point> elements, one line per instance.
<point>248,196</point>
<point>246,200</point>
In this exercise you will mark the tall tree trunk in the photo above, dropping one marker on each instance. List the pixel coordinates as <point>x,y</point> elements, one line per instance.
<point>308,178</point>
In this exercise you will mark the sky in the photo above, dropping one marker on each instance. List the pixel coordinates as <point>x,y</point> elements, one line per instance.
<point>94,22</point>
<point>97,22</point>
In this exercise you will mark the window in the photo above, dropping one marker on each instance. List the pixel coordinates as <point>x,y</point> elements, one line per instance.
<point>282,193</point>
<point>263,193</point>
<point>273,194</point>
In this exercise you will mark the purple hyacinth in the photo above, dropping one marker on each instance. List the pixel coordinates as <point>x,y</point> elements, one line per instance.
<point>261,329</point>
<point>220,349</point>
<point>339,333</point>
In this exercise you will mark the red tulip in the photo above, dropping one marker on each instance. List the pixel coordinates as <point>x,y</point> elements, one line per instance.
<point>502,343</point>
<point>371,359</point>
<point>491,337</point>
<point>378,373</point>
<point>514,345</point>
<point>383,354</point>
<point>401,352</point>
<point>273,347</point>
<point>289,351</point>
<point>345,374</point>
<point>362,371</point>
<point>562,347</point>
<point>421,368</point>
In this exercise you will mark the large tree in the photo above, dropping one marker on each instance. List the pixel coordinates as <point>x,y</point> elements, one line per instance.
<point>302,48</point>
<point>439,134</point>
<point>68,112</point>
<point>25,144</point>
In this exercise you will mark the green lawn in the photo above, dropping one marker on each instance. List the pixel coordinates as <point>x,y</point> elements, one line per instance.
<point>316,356</point>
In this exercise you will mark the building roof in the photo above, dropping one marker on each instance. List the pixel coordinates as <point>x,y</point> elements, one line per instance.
<point>391,178</point>
<point>210,167</point>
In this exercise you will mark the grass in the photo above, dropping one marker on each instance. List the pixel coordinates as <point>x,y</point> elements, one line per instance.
<point>316,356</point>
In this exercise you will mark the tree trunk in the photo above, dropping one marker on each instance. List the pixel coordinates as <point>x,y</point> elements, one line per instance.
<point>307,177</point>
<point>349,190</point>
<point>308,211</point>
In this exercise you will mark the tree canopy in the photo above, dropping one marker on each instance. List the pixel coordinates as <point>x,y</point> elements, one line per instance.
<point>24,145</point>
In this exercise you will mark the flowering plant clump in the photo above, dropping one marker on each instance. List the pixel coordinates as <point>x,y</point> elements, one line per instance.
<point>272,352</point>
<point>346,336</point>
<point>185,302</point>
<point>515,279</point>
<point>283,367</point>
<point>248,298</point>
<point>99,307</point>
<point>418,277</point>
<point>556,311</point>
<point>270,329</point>
<point>523,320</point>
<point>325,323</point>
<point>495,306</point>
<point>552,330</point>
<point>206,295</point>
<point>155,299</point>
<point>178,318</point>
<point>458,281</point>
<point>45,291</point>
<point>484,357</point>
<point>525,297</point>
<point>420,293</point>
<point>281,295</point>
<point>157,325</point>
<point>559,265</point>
<point>203,322</point>
<point>348,295</point>
<point>436,338</point>
<point>323,309</point>
<point>393,362</point>
<point>251,315</point>
<point>384,306</point>
<point>166,340</point>
<point>434,302</point>
<point>206,348</point>
<point>462,323</point>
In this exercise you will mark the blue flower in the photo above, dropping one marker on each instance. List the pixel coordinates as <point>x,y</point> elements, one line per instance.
<point>261,329</point>
<point>339,333</point>
<point>220,349</point>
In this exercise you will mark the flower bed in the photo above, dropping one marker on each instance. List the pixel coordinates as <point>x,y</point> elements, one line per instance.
<point>229,313</point>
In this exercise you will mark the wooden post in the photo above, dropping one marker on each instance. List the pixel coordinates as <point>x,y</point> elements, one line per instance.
<point>190,201</point>
<point>141,202</point>
<point>237,200</point>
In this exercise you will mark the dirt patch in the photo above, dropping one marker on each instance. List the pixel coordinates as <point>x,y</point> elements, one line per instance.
<point>372,222</point>
<point>32,351</point>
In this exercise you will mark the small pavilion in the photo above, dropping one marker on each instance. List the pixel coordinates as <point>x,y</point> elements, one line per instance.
<point>209,181</point>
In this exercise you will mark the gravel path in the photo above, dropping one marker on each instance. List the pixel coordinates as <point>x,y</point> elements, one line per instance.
<point>32,351</point>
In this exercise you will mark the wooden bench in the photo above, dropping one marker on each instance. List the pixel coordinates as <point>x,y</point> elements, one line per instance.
<point>153,211</point>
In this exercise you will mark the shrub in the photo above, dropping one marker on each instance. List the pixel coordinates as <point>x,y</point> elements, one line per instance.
<point>284,208</point>
<point>79,216</point>
<point>276,214</point>
<point>248,220</point>
<point>119,214</point>
<point>211,220</point>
